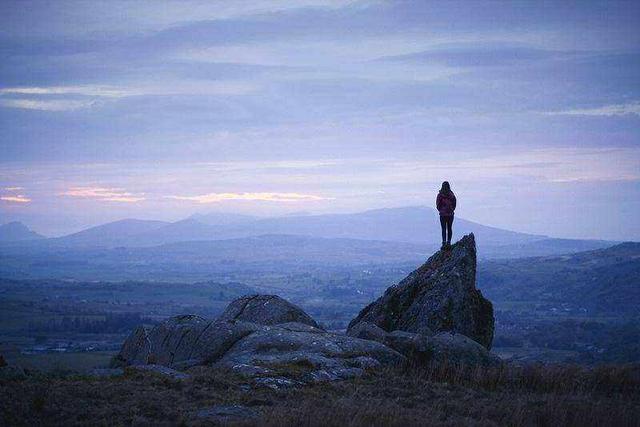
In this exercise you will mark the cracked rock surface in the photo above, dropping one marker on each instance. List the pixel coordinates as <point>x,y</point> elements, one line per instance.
<point>266,310</point>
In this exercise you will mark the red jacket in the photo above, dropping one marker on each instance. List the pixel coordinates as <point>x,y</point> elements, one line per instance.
<point>446,203</point>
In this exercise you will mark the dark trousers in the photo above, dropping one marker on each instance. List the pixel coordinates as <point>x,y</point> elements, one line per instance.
<point>446,225</point>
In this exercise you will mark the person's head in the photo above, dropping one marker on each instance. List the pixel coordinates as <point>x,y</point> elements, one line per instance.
<point>446,188</point>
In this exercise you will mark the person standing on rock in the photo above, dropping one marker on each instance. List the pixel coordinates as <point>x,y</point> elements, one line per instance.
<point>446,205</point>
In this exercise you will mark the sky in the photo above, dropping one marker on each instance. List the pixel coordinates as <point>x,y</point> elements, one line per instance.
<point>163,109</point>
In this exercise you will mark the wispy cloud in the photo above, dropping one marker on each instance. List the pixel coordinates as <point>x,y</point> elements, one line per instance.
<point>199,87</point>
<point>145,16</point>
<point>64,98</point>
<point>14,196</point>
<point>269,197</point>
<point>47,105</point>
<point>105,194</point>
<point>18,198</point>
<point>632,108</point>
<point>103,91</point>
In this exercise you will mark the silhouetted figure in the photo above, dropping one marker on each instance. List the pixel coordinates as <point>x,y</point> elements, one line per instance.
<point>446,205</point>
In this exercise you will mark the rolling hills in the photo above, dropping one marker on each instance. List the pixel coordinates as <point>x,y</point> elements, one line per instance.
<point>600,281</point>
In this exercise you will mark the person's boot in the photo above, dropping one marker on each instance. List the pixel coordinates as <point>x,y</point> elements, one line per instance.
<point>444,246</point>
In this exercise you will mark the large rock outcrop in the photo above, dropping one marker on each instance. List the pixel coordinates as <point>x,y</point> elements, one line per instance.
<point>251,341</point>
<point>266,310</point>
<point>297,343</point>
<point>440,296</point>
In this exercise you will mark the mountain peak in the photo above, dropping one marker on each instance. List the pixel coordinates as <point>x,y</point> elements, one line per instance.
<point>16,231</point>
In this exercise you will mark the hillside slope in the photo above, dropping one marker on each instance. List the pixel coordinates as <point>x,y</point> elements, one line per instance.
<point>110,234</point>
<point>599,281</point>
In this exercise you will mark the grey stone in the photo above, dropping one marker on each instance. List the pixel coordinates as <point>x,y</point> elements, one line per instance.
<point>265,310</point>
<point>173,340</point>
<point>218,337</point>
<point>365,362</point>
<point>325,375</point>
<point>300,327</point>
<point>414,346</point>
<point>181,342</point>
<point>250,349</point>
<point>447,347</point>
<point>277,383</point>
<point>279,345</point>
<point>439,296</point>
<point>250,370</point>
<point>367,331</point>
<point>135,349</point>
<point>320,376</point>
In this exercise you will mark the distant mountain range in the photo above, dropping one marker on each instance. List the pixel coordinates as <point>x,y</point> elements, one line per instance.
<point>413,225</point>
<point>17,232</point>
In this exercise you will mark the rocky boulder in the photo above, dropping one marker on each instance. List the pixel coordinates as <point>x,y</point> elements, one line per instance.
<point>440,296</point>
<point>452,347</point>
<point>300,344</point>
<point>444,347</point>
<point>135,349</point>
<point>236,340</point>
<point>182,341</point>
<point>265,310</point>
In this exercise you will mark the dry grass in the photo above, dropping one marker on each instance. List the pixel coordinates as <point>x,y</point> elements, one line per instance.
<point>435,395</point>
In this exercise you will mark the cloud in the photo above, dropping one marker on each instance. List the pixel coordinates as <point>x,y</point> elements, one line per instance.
<point>65,98</point>
<point>117,17</point>
<point>105,194</point>
<point>103,91</point>
<point>270,197</point>
<point>18,198</point>
<point>480,55</point>
<point>632,108</point>
<point>14,197</point>
<point>46,105</point>
<point>58,98</point>
<point>184,87</point>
